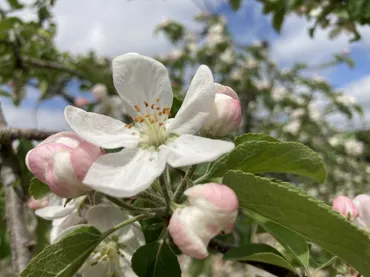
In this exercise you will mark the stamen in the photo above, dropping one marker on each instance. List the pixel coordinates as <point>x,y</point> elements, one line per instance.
<point>157,99</point>
<point>146,104</point>
<point>137,108</point>
<point>160,113</point>
<point>134,133</point>
<point>129,126</point>
<point>152,106</point>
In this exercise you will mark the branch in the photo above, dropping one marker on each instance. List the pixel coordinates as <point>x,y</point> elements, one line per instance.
<point>14,210</point>
<point>9,134</point>
<point>52,65</point>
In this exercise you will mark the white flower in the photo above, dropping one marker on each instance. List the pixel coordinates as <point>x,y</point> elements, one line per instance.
<point>227,56</point>
<point>99,91</point>
<point>354,147</point>
<point>63,214</point>
<point>314,112</point>
<point>113,255</point>
<point>153,140</point>
<point>215,35</point>
<point>237,74</point>
<point>346,100</point>
<point>279,93</point>
<point>110,106</point>
<point>175,54</point>
<point>334,141</point>
<point>292,127</point>
<point>297,113</point>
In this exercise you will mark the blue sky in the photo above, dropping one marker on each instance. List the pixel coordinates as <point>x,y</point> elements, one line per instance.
<point>100,29</point>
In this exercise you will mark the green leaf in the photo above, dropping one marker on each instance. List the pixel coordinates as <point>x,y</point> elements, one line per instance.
<point>292,241</point>
<point>249,249</point>
<point>259,253</point>
<point>264,156</point>
<point>64,258</point>
<point>38,189</point>
<point>14,4</point>
<point>235,4</point>
<point>176,105</point>
<point>278,19</point>
<point>5,93</point>
<point>290,207</point>
<point>155,260</point>
<point>254,137</point>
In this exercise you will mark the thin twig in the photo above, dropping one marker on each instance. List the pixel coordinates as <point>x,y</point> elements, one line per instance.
<point>9,134</point>
<point>52,65</point>
<point>165,187</point>
<point>146,195</point>
<point>182,187</point>
<point>132,209</point>
<point>16,225</point>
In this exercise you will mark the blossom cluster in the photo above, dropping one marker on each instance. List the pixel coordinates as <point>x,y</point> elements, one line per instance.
<point>75,166</point>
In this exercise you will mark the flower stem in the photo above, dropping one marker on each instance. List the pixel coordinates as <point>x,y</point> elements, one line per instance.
<point>126,222</point>
<point>165,187</point>
<point>182,187</point>
<point>155,199</point>
<point>132,209</point>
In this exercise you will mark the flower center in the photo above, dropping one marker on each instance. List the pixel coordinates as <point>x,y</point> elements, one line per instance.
<point>108,252</point>
<point>150,121</point>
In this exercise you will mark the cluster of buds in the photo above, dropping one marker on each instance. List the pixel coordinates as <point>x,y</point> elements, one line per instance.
<point>212,208</point>
<point>356,210</point>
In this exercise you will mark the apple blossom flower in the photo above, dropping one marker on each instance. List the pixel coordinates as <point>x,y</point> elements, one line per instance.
<point>292,127</point>
<point>345,206</point>
<point>110,106</point>
<point>353,147</point>
<point>81,101</point>
<point>228,56</point>
<point>362,203</point>
<point>99,91</point>
<point>279,93</point>
<point>346,100</point>
<point>212,208</point>
<point>297,113</point>
<point>226,114</point>
<point>36,204</point>
<point>113,255</point>
<point>61,161</point>
<point>152,141</point>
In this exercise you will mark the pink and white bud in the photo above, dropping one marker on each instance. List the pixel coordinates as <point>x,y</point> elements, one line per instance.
<point>226,114</point>
<point>99,91</point>
<point>362,203</point>
<point>36,204</point>
<point>62,161</point>
<point>212,208</point>
<point>346,207</point>
<point>81,101</point>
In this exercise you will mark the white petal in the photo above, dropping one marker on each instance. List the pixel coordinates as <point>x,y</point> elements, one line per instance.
<point>62,226</point>
<point>141,81</point>
<point>100,129</point>
<point>53,212</point>
<point>126,173</point>
<point>188,150</point>
<point>197,104</point>
<point>103,217</point>
<point>100,269</point>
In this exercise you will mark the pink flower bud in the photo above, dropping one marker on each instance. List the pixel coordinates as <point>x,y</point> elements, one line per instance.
<point>226,113</point>
<point>81,101</point>
<point>36,204</point>
<point>62,161</point>
<point>99,91</point>
<point>212,208</point>
<point>345,207</point>
<point>362,203</point>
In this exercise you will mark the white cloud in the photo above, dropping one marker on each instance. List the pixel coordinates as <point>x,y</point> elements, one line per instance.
<point>295,43</point>
<point>43,119</point>
<point>117,26</point>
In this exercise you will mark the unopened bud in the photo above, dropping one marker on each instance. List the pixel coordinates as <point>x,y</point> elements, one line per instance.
<point>212,208</point>
<point>345,206</point>
<point>362,203</point>
<point>99,91</point>
<point>62,161</point>
<point>36,204</point>
<point>80,102</point>
<point>226,114</point>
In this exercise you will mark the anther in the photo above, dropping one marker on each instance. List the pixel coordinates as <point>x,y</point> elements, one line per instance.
<point>152,106</point>
<point>137,108</point>
<point>157,99</point>
<point>146,104</point>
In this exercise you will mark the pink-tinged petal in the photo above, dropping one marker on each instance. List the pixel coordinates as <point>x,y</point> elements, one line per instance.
<point>197,104</point>
<point>143,84</point>
<point>345,206</point>
<point>226,90</point>
<point>100,129</point>
<point>69,139</point>
<point>38,158</point>
<point>36,204</point>
<point>61,179</point>
<point>219,195</point>
<point>362,203</point>
<point>183,231</point>
<point>83,157</point>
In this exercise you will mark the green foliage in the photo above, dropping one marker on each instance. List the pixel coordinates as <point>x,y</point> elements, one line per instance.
<point>254,137</point>
<point>155,259</point>
<point>266,156</point>
<point>235,4</point>
<point>65,257</point>
<point>292,241</point>
<point>38,189</point>
<point>259,253</point>
<point>292,208</point>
